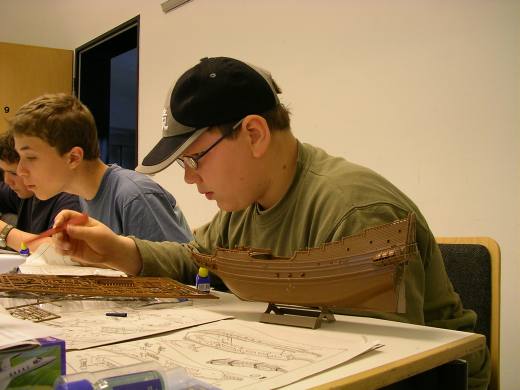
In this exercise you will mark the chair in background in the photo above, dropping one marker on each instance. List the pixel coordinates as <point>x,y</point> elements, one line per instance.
<point>473,265</point>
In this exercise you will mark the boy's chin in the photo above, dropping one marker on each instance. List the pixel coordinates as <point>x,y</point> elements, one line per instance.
<point>25,195</point>
<point>42,196</point>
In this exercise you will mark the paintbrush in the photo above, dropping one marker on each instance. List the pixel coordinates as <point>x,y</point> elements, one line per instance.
<point>79,220</point>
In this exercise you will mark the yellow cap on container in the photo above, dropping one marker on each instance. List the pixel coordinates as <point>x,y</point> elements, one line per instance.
<point>203,272</point>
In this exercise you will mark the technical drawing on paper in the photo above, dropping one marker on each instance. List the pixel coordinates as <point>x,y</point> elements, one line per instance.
<point>232,354</point>
<point>88,329</point>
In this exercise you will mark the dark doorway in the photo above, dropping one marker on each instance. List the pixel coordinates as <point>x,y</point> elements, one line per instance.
<point>107,74</point>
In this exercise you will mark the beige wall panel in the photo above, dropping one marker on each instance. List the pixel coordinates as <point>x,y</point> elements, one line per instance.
<point>30,71</point>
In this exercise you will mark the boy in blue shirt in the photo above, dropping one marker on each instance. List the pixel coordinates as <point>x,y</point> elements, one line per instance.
<point>56,138</point>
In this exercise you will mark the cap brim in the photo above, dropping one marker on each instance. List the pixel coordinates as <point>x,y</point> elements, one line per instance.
<point>166,151</point>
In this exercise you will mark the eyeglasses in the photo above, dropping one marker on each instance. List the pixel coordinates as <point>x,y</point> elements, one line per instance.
<point>193,161</point>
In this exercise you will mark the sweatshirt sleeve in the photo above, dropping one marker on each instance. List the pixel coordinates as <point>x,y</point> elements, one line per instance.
<point>174,260</point>
<point>168,259</point>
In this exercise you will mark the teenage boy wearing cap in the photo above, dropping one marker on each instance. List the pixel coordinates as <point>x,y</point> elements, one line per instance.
<point>223,123</point>
<point>56,138</point>
<point>34,215</point>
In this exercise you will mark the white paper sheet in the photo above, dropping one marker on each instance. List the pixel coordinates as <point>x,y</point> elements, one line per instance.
<point>233,354</point>
<point>10,261</point>
<point>14,331</point>
<point>46,261</point>
<point>87,329</point>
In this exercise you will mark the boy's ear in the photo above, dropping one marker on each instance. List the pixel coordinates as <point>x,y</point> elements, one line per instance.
<point>75,156</point>
<point>258,133</point>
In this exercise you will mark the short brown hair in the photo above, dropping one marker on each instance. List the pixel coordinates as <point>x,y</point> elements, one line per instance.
<point>8,153</point>
<point>61,120</point>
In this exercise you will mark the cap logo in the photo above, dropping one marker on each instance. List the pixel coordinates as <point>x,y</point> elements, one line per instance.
<point>164,119</point>
<point>212,75</point>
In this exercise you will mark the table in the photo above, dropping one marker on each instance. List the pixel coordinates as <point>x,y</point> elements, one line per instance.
<point>408,349</point>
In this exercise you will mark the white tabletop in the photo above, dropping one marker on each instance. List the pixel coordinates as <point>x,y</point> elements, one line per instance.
<point>408,349</point>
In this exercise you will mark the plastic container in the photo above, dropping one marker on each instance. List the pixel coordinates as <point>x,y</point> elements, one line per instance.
<point>140,376</point>
<point>202,282</point>
<point>24,251</point>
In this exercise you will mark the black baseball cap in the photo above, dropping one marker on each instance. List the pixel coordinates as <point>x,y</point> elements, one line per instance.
<point>216,91</point>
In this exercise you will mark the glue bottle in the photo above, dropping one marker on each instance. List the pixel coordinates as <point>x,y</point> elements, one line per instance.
<point>24,251</point>
<point>202,282</point>
<point>141,376</point>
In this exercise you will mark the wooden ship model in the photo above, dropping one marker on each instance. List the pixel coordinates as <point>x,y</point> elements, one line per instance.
<point>362,271</point>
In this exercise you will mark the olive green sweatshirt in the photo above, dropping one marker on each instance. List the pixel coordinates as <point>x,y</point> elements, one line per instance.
<point>331,198</point>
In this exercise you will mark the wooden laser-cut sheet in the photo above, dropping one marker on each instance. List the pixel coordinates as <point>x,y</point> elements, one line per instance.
<point>103,286</point>
<point>32,313</point>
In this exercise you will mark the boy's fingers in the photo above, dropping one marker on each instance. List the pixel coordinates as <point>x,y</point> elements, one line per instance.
<point>64,216</point>
<point>79,232</point>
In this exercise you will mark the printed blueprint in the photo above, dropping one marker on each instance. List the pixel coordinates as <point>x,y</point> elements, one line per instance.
<point>232,354</point>
<point>87,329</point>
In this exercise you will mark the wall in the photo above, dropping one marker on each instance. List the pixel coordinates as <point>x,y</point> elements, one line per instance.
<point>426,93</point>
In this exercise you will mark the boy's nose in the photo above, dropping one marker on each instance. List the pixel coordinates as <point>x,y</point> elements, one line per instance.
<point>20,170</point>
<point>190,176</point>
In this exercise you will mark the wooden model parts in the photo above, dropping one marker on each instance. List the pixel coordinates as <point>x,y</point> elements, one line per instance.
<point>100,286</point>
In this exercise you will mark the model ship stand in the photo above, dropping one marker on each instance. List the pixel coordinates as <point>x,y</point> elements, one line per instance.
<point>300,316</point>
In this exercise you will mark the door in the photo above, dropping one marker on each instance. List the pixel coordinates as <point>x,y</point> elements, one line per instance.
<point>30,71</point>
<point>107,80</point>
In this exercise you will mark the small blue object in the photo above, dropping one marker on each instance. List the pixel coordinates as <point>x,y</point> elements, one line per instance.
<point>24,251</point>
<point>82,384</point>
<point>202,282</point>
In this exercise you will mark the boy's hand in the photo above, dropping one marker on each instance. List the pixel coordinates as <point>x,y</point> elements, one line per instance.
<point>95,244</point>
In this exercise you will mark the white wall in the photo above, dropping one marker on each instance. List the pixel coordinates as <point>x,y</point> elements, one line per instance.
<point>425,92</point>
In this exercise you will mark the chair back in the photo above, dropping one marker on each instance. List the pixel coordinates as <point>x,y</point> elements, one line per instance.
<point>473,266</point>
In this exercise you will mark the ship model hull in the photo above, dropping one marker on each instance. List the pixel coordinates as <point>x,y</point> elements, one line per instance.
<point>362,271</point>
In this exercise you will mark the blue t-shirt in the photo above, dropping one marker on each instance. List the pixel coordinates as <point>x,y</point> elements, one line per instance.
<point>132,204</point>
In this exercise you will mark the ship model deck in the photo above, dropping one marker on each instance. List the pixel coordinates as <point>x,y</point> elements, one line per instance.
<point>362,271</point>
